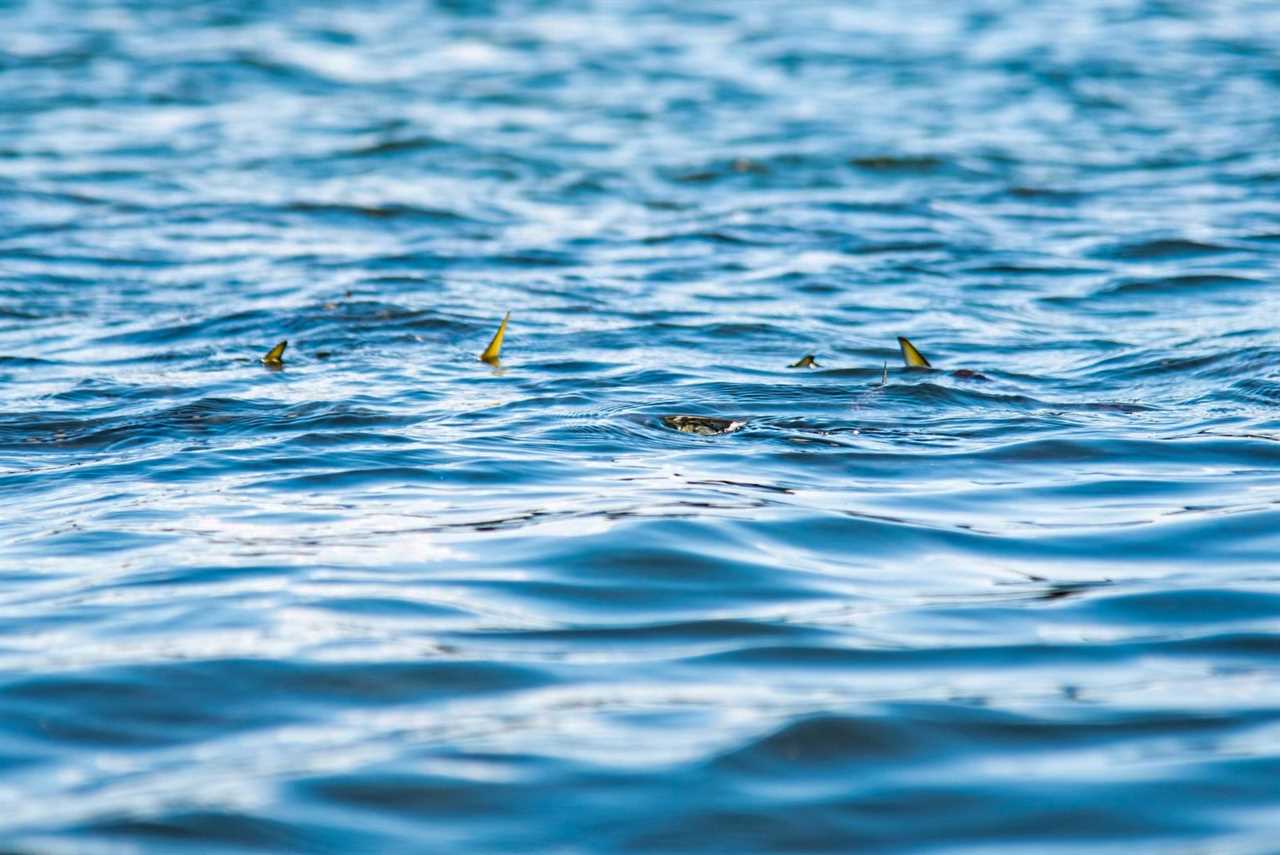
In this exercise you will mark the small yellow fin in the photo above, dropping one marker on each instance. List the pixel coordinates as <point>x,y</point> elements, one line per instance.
<point>493,352</point>
<point>806,361</point>
<point>912,357</point>
<point>275,356</point>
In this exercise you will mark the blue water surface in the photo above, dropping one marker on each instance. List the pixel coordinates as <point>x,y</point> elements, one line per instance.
<point>391,599</point>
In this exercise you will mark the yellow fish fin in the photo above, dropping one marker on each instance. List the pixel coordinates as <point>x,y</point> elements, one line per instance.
<point>806,361</point>
<point>912,357</point>
<point>493,352</point>
<point>275,356</point>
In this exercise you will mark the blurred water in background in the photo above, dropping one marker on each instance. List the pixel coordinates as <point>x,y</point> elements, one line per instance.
<point>391,600</point>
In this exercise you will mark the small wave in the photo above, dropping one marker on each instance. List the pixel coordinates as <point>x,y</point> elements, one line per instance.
<point>1163,248</point>
<point>898,163</point>
<point>398,145</point>
<point>413,213</point>
<point>1177,285</point>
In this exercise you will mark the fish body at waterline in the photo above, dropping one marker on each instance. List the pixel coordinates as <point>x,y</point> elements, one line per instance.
<point>702,425</point>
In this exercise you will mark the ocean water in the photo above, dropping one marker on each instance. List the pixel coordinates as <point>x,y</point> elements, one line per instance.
<point>392,599</point>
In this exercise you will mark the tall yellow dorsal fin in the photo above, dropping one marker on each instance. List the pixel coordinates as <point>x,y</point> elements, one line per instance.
<point>912,357</point>
<point>493,352</point>
<point>806,361</point>
<point>275,356</point>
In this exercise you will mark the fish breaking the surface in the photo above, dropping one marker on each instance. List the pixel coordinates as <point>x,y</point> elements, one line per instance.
<point>493,353</point>
<point>702,425</point>
<point>275,356</point>
<point>912,357</point>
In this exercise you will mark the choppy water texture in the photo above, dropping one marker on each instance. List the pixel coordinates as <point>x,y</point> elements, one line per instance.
<point>389,599</point>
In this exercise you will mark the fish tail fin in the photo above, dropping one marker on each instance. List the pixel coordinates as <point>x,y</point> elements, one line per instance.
<point>912,357</point>
<point>275,356</point>
<point>493,352</point>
